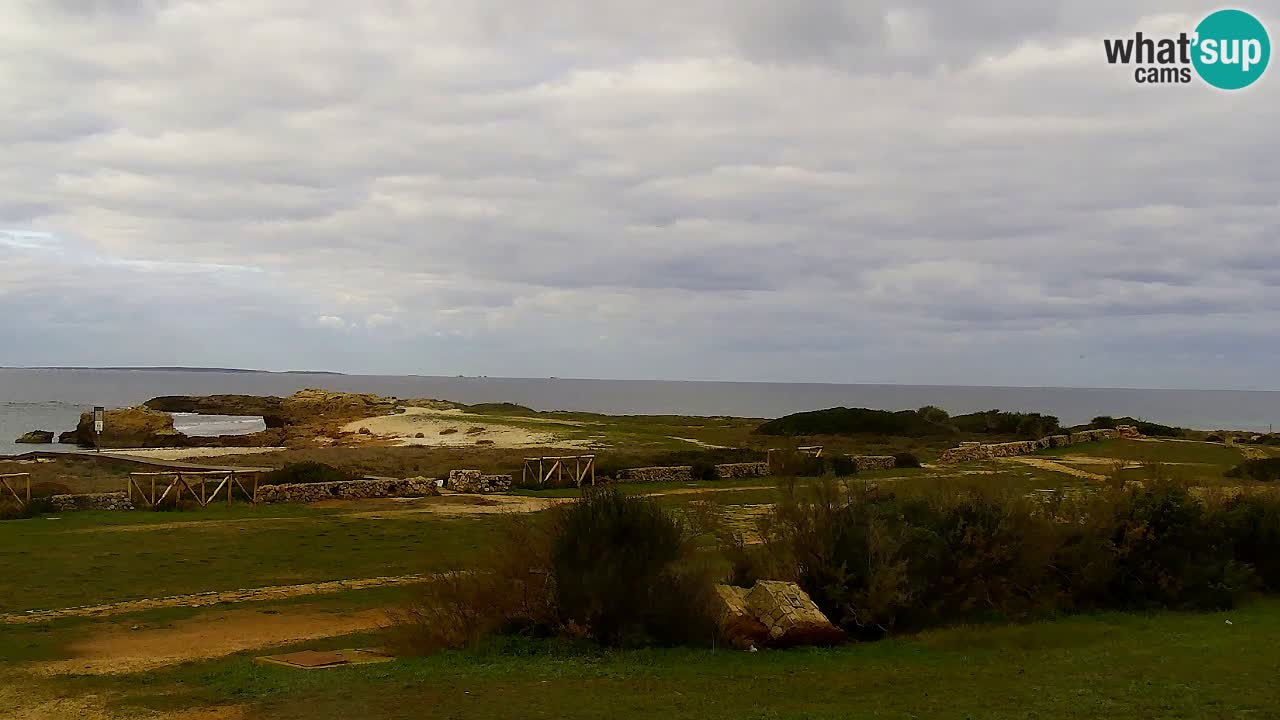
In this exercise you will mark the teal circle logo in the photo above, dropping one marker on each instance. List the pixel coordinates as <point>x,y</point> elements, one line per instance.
<point>1232,49</point>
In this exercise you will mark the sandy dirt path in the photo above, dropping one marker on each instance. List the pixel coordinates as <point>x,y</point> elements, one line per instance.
<point>120,650</point>
<point>1052,466</point>
<point>275,592</point>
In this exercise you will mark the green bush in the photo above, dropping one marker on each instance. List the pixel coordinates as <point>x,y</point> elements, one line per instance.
<point>1105,422</point>
<point>703,470</point>
<point>616,569</point>
<point>306,472</point>
<point>906,460</point>
<point>1260,469</point>
<point>852,421</point>
<point>999,422</point>
<point>876,561</point>
<point>627,572</point>
<point>843,466</point>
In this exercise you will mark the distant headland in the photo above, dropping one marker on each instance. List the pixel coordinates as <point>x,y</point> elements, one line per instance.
<point>175,368</point>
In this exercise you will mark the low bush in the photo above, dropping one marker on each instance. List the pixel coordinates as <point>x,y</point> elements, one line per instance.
<point>998,422</point>
<point>1106,422</point>
<point>47,488</point>
<point>876,562</point>
<point>306,472</point>
<point>906,460</point>
<point>616,569</point>
<point>853,421</point>
<point>703,470</point>
<point>1260,469</point>
<point>843,466</point>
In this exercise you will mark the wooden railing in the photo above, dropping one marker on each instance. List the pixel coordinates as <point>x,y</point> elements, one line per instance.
<point>176,481</point>
<point>16,486</point>
<point>584,468</point>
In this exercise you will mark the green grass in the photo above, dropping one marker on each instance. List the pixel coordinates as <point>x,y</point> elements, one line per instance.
<point>89,558</point>
<point>1161,451</point>
<point>1110,665</point>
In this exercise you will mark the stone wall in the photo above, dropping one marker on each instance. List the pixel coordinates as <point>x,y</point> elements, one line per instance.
<point>677,473</point>
<point>972,452</point>
<point>874,462</point>
<point>474,481</point>
<point>346,490</point>
<point>729,471</point>
<point>94,501</point>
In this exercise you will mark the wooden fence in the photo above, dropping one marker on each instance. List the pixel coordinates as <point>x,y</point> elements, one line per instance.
<point>176,481</point>
<point>584,468</point>
<point>16,486</point>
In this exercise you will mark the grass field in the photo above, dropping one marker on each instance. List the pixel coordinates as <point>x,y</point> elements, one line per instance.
<point>1105,665</point>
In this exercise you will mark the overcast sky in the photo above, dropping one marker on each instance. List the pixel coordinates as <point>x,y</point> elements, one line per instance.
<point>911,191</point>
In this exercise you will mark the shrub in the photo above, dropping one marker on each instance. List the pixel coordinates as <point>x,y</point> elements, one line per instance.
<point>796,464</point>
<point>843,466</point>
<point>616,569</point>
<point>876,562</point>
<point>46,488</point>
<point>906,460</point>
<point>10,510</point>
<point>998,422</point>
<point>1260,469</point>
<point>851,421</point>
<point>511,590</point>
<point>306,472</point>
<point>703,470</point>
<point>626,571</point>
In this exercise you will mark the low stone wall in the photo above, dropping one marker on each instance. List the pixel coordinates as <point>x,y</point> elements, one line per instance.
<point>729,471</point>
<point>1128,431</point>
<point>971,452</point>
<point>874,462</point>
<point>677,473</point>
<point>345,490</point>
<point>93,501</point>
<point>474,481</point>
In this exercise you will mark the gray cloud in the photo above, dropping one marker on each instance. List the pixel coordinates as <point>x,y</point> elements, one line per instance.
<point>910,191</point>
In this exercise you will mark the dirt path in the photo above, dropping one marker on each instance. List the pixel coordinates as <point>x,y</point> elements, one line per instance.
<point>1052,466</point>
<point>276,592</point>
<point>120,650</point>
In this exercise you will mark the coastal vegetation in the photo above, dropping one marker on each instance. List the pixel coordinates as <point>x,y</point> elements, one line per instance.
<point>973,578</point>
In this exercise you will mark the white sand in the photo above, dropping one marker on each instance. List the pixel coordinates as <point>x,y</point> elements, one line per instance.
<point>430,423</point>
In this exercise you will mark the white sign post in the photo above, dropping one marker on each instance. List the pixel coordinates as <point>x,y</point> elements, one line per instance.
<point>99,422</point>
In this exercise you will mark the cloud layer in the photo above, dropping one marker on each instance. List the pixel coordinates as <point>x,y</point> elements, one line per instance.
<point>917,191</point>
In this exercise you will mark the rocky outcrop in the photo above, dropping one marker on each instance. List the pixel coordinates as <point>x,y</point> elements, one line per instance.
<point>730,471</point>
<point>269,408</point>
<point>70,437</point>
<point>346,490</point>
<point>874,462</point>
<point>676,473</point>
<point>474,481</point>
<point>91,501</point>
<point>1128,431</point>
<point>790,616</point>
<point>137,427</point>
<point>36,437</point>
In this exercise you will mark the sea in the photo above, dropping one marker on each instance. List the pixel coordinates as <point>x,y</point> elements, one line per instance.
<point>52,399</point>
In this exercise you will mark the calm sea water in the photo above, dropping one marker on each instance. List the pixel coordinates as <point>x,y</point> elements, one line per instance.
<point>54,399</point>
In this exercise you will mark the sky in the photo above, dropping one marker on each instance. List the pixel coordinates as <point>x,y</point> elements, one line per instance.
<point>879,191</point>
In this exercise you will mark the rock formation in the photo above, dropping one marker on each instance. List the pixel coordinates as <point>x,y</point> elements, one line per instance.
<point>137,427</point>
<point>773,614</point>
<point>36,437</point>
